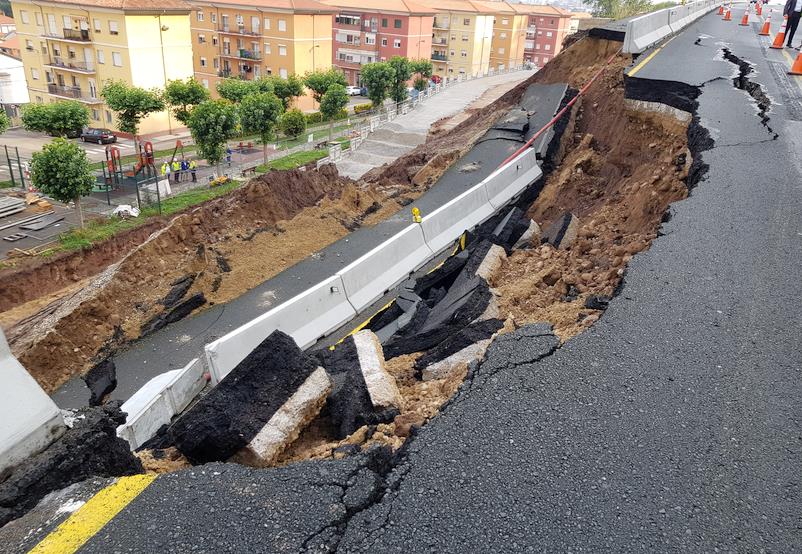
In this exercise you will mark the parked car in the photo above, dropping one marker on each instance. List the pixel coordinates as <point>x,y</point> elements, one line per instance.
<point>353,91</point>
<point>100,136</point>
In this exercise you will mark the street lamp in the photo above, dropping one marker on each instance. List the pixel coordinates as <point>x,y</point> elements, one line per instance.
<point>162,29</point>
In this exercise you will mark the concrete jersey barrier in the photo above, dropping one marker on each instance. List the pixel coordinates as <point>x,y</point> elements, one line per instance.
<point>31,420</point>
<point>369,277</point>
<point>506,183</point>
<point>305,317</point>
<point>646,30</point>
<point>466,211</point>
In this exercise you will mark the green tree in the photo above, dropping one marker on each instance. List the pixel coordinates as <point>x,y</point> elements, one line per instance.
<point>182,96</point>
<point>132,104</point>
<point>403,73</point>
<point>234,90</point>
<point>212,123</point>
<point>262,84</point>
<point>333,101</point>
<point>320,81</point>
<point>5,122</point>
<point>259,114</point>
<point>618,9</point>
<point>287,89</point>
<point>378,76</point>
<point>57,118</point>
<point>62,170</point>
<point>424,68</point>
<point>293,123</point>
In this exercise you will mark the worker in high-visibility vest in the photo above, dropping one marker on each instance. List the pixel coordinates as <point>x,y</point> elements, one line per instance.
<point>176,170</point>
<point>193,168</point>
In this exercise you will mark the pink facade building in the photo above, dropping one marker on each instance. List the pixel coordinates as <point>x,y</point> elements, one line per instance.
<point>366,31</point>
<point>547,29</point>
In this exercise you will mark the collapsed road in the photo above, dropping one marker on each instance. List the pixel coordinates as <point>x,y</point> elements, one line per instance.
<point>671,424</point>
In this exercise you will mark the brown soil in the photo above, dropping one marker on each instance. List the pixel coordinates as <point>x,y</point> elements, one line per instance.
<point>162,461</point>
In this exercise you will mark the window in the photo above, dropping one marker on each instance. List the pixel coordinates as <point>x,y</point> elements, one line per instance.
<point>536,59</point>
<point>34,74</point>
<point>545,59</point>
<point>397,43</point>
<point>501,50</point>
<point>214,41</point>
<point>39,100</point>
<point>200,16</point>
<point>466,21</point>
<point>537,47</point>
<point>24,16</point>
<point>347,19</point>
<point>113,28</point>
<point>255,24</point>
<point>548,33</point>
<point>282,25</point>
<point>201,39</point>
<point>215,63</point>
<point>552,22</point>
<point>71,53</point>
<point>453,37</point>
<point>268,71</point>
<point>108,116</point>
<point>397,23</point>
<point>370,39</point>
<point>540,32</point>
<point>267,48</point>
<point>101,57</point>
<point>43,46</point>
<point>384,22</point>
<point>116,59</point>
<point>451,53</point>
<point>203,62</point>
<point>95,114</point>
<point>503,35</point>
<point>384,42</point>
<point>98,25</point>
<point>29,45</point>
<point>282,73</point>
<point>464,37</point>
<point>464,53</point>
<point>505,21</point>
<point>213,17</point>
<point>39,20</point>
<point>541,20</point>
<point>267,23</point>
<point>548,47</point>
<point>282,50</point>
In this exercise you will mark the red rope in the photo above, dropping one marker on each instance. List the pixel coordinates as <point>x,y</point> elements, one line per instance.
<point>561,112</point>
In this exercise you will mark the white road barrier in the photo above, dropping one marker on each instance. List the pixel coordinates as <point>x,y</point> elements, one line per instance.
<point>306,317</point>
<point>466,211</point>
<point>508,182</point>
<point>647,30</point>
<point>30,419</point>
<point>161,398</point>
<point>367,278</point>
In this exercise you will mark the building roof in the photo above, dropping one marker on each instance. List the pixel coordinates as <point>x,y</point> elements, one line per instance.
<point>541,9</point>
<point>155,6</point>
<point>295,6</point>
<point>581,15</point>
<point>493,6</point>
<point>406,7</point>
<point>467,6</point>
<point>11,41</point>
<point>5,20</point>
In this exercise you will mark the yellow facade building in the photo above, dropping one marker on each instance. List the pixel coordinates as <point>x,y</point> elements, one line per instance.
<point>462,37</point>
<point>254,38</point>
<point>70,48</point>
<point>509,34</point>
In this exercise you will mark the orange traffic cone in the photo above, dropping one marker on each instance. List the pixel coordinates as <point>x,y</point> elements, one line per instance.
<point>745,19</point>
<point>780,38</point>
<point>727,15</point>
<point>766,30</point>
<point>796,69</point>
<point>758,8</point>
<point>721,9</point>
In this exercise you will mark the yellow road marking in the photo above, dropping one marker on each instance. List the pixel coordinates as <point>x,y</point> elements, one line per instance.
<point>362,325</point>
<point>649,58</point>
<point>92,516</point>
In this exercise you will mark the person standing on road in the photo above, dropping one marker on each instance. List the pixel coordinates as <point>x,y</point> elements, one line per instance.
<point>228,155</point>
<point>176,170</point>
<point>185,169</point>
<point>193,167</point>
<point>793,9</point>
<point>166,170</point>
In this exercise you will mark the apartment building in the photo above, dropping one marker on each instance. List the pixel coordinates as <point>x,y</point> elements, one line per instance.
<point>461,38</point>
<point>7,24</point>
<point>366,31</point>
<point>69,48</point>
<point>509,34</point>
<point>254,38</point>
<point>547,28</point>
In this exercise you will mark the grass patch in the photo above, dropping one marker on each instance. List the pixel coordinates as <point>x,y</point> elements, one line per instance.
<point>293,161</point>
<point>98,230</point>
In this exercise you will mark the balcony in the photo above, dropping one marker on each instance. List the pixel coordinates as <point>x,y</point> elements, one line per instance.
<point>438,24</point>
<point>71,65</point>
<point>74,93</point>
<point>440,41</point>
<point>243,54</point>
<point>238,30</point>
<point>354,42</point>
<point>71,35</point>
<point>224,73</point>
<point>438,57</point>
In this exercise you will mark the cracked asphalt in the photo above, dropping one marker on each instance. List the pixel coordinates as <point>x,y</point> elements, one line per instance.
<point>671,425</point>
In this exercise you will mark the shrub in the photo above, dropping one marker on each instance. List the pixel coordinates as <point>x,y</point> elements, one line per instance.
<point>314,117</point>
<point>293,123</point>
<point>359,108</point>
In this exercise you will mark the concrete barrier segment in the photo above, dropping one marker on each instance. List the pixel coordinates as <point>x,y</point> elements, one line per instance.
<point>31,420</point>
<point>306,317</point>
<point>288,421</point>
<point>510,180</point>
<point>371,275</point>
<point>445,224</point>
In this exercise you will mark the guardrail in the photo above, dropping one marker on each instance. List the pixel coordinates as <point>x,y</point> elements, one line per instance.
<point>646,30</point>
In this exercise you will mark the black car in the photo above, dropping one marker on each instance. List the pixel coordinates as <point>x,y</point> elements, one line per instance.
<point>100,136</point>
